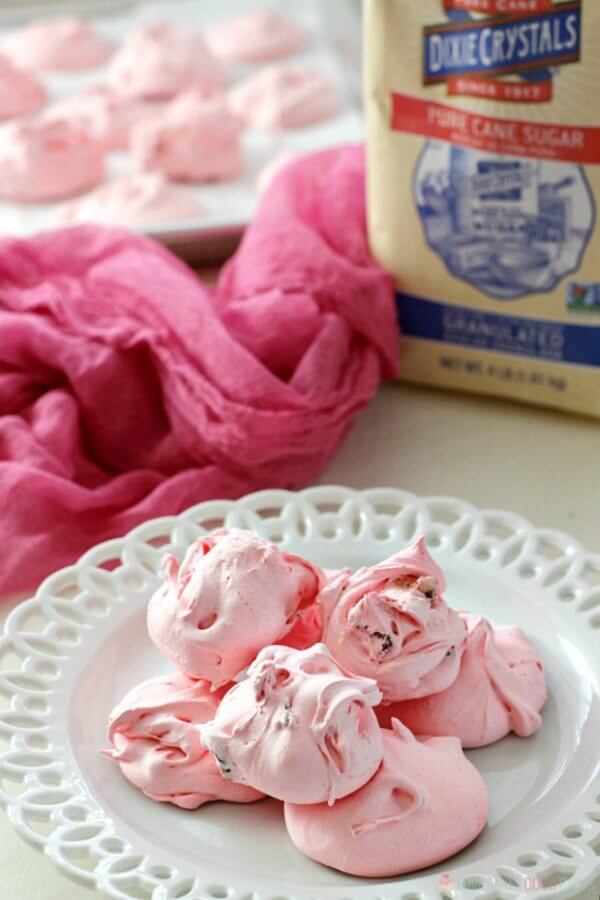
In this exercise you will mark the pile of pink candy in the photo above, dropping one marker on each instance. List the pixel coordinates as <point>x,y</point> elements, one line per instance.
<point>169,96</point>
<point>348,696</point>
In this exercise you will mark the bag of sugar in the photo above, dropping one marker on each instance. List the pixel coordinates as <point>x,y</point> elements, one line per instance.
<point>483,180</point>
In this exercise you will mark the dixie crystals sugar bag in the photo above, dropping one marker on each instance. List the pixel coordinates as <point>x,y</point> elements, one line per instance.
<point>484,182</point>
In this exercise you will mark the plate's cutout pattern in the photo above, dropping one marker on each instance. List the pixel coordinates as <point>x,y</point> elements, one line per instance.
<point>51,808</point>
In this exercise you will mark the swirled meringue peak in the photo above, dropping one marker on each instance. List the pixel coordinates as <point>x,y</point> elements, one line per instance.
<point>193,139</point>
<point>389,622</point>
<point>257,36</point>
<point>298,727</point>
<point>159,60</point>
<point>284,97</point>
<point>63,44</point>
<point>20,92</point>
<point>157,745</point>
<point>234,593</point>
<point>500,688</point>
<point>42,160</point>
<point>425,803</point>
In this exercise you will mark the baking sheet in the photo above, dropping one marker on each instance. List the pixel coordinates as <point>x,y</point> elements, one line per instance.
<point>227,206</point>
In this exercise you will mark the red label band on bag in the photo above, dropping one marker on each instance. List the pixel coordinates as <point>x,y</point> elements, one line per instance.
<point>508,91</point>
<point>499,7</point>
<point>503,136</point>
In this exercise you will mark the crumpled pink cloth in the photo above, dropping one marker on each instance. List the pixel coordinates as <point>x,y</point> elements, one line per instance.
<point>129,390</point>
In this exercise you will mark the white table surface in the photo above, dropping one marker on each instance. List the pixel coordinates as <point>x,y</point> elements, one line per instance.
<point>541,464</point>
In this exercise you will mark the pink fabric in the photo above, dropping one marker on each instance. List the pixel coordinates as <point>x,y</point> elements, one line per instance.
<point>128,390</point>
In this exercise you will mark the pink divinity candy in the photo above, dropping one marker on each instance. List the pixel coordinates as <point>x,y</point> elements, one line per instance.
<point>20,92</point>
<point>500,687</point>
<point>192,139</point>
<point>42,161</point>
<point>389,622</point>
<point>425,803</point>
<point>142,197</point>
<point>298,727</point>
<point>284,97</point>
<point>62,44</point>
<point>157,745</point>
<point>158,60</point>
<point>102,114</point>
<point>233,594</point>
<point>258,36</point>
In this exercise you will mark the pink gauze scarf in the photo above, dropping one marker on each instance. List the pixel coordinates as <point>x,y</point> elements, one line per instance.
<point>130,390</point>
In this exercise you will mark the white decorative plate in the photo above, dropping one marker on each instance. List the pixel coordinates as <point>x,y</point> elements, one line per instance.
<point>73,650</point>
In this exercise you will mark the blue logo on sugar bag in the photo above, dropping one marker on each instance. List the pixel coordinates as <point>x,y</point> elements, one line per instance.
<point>503,44</point>
<point>508,226</point>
